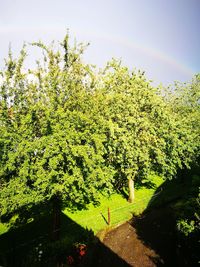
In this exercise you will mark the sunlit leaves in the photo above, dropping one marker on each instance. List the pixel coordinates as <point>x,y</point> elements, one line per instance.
<point>68,130</point>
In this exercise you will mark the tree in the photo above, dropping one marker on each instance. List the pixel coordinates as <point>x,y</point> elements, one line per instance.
<point>184,100</point>
<point>143,135</point>
<point>69,133</point>
<point>52,147</point>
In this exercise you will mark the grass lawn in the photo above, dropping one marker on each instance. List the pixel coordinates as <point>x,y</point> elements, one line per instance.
<point>96,218</point>
<point>3,228</point>
<point>81,225</point>
<point>76,226</point>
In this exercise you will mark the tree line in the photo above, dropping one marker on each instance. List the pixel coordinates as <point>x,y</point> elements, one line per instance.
<point>70,132</point>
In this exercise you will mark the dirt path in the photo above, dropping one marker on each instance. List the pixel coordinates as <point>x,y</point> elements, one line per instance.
<point>126,244</point>
<point>146,241</point>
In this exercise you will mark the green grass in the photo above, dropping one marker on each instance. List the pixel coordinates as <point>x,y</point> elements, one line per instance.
<point>3,228</point>
<point>95,217</point>
<point>81,225</point>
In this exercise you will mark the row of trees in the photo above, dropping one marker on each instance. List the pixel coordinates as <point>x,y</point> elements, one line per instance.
<point>69,132</point>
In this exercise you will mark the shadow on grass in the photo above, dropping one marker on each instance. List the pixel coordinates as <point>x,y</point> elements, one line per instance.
<point>170,191</point>
<point>104,218</point>
<point>32,245</point>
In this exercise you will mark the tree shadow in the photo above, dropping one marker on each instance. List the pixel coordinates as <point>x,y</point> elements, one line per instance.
<point>168,192</point>
<point>32,245</point>
<point>156,230</point>
<point>144,183</point>
<point>121,185</point>
<point>105,257</point>
<point>156,226</point>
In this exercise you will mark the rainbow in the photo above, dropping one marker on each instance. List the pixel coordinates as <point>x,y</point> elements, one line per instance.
<point>147,50</point>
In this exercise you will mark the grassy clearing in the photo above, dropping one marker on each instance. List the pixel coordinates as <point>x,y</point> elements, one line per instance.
<point>96,218</point>
<point>79,226</point>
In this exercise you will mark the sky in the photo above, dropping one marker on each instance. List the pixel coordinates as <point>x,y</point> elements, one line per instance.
<point>161,37</point>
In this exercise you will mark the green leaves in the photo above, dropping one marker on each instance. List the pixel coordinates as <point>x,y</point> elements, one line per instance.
<point>68,130</point>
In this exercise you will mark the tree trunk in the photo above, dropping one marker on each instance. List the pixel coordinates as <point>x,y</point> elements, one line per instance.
<point>131,190</point>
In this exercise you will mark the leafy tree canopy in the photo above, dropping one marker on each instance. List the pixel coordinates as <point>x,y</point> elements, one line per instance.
<point>70,131</point>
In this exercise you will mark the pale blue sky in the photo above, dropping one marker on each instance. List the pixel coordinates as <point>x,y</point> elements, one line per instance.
<point>161,37</point>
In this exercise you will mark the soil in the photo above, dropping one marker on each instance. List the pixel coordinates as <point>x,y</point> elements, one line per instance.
<point>145,241</point>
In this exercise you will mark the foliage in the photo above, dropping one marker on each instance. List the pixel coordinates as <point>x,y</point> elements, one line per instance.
<point>51,145</point>
<point>184,100</point>
<point>190,221</point>
<point>186,226</point>
<point>144,133</point>
<point>72,133</point>
<point>185,103</point>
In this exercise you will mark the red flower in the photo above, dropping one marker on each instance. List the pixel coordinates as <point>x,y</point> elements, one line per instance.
<point>82,250</point>
<point>70,260</point>
<point>82,253</point>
